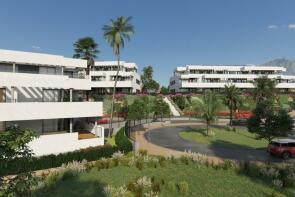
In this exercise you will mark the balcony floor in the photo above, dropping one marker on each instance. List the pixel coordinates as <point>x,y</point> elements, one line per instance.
<point>85,135</point>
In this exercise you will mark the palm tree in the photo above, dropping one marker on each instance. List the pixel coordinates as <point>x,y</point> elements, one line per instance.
<point>87,49</point>
<point>231,99</point>
<point>115,33</point>
<point>208,107</point>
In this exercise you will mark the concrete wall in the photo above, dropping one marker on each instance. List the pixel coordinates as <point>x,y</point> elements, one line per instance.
<point>49,110</point>
<point>60,143</point>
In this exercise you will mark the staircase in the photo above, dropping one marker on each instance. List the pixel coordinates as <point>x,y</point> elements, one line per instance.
<point>173,109</point>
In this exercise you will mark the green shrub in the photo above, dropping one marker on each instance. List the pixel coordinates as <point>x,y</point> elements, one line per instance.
<point>171,187</point>
<point>52,161</point>
<point>162,161</point>
<point>139,164</point>
<point>156,187</point>
<point>183,188</point>
<point>226,165</point>
<point>143,152</point>
<point>52,179</point>
<point>123,142</point>
<point>184,159</point>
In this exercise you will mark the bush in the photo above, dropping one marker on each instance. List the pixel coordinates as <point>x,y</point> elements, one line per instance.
<point>171,187</point>
<point>123,142</point>
<point>183,188</point>
<point>52,161</point>
<point>139,164</point>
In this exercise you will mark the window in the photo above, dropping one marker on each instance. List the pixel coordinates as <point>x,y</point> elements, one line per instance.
<point>28,69</point>
<point>6,68</point>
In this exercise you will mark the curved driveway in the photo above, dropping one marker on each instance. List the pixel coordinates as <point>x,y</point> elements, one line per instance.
<point>168,137</point>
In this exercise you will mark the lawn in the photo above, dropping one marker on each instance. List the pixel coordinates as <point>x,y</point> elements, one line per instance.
<point>202,181</point>
<point>241,138</point>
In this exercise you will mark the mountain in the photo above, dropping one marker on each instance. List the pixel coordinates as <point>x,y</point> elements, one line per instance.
<point>288,64</point>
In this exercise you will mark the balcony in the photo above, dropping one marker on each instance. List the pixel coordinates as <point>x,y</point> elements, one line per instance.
<point>109,84</point>
<point>43,81</point>
<point>49,110</point>
<point>214,85</point>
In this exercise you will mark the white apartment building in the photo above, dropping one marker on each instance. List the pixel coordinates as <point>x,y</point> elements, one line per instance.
<point>45,93</point>
<point>194,78</point>
<point>103,76</point>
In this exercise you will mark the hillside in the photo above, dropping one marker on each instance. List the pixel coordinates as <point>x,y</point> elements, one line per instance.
<point>288,64</point>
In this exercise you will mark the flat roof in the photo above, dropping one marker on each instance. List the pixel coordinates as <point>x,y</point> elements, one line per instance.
<point>247,67</point>
<point>21,57</point>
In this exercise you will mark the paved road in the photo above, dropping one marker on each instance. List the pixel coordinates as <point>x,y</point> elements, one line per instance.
<point>168,137</point>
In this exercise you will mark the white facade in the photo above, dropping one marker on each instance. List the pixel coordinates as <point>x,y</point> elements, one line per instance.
<point>103,77</point>
<point>45,93</point>
<point>192,78</point>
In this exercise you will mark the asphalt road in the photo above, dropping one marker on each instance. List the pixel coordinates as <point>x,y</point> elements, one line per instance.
<point>168,137</point>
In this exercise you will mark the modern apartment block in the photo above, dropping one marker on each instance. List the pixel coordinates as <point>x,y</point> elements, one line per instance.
<point>46,93</point>
<point>103,76</point>
<point>195,78</point>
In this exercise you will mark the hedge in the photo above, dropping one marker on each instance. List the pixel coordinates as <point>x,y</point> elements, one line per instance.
<point>51,161</point>
<point>122,141</point>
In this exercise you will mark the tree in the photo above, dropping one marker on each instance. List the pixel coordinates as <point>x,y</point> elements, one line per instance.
<point>87,49</point>
<point>269,120</point>
<point>164,90</point>
<point>231,99</point>
<point>148,83</point>
<point>270,125</point>
<point>208,107</point>
<point>115,33</point>
<point>136,110</point>
<point>161,108</point>
<point>13,145</point>
<point>265,89</point>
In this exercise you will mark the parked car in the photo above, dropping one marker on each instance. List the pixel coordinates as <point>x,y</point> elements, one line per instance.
<point>102,121</point>
<point>284,148</point>
<point>240,122</point>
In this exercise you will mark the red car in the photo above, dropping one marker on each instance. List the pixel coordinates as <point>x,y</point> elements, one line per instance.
<point>284,148</point>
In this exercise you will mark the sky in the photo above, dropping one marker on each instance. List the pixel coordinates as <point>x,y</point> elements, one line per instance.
<point>168,33</point>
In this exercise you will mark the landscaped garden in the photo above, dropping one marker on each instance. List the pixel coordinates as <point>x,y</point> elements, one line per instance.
<point>143,175</point>
<point>240,138</point>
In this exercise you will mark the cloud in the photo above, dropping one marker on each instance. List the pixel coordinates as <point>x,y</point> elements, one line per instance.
<point>291,26</point>
<point>36,47</point>
<point>272,27</point>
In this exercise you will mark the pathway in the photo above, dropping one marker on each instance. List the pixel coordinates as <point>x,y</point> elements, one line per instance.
<point>171,106</point>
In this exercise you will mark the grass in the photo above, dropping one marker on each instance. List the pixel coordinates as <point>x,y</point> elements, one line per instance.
<point>202,181</point>
<point>239,139</point>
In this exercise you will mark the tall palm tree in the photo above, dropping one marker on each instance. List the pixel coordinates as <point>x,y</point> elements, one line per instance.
<point>87,49</point>
<point>231,99</point>
<point>208,107</point>
<point>115,33</point>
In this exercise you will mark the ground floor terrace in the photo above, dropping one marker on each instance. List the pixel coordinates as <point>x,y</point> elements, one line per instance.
<point>60,135</point>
